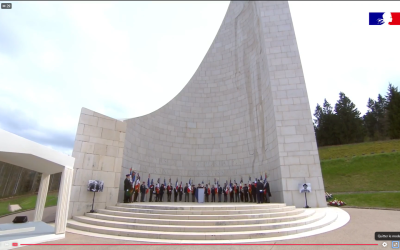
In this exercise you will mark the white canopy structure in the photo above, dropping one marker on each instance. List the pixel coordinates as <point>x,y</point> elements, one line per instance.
<point>21,152</point>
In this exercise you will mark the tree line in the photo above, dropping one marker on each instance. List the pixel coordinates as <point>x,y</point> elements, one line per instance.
<point>16,181</point>
<point>343,123</point>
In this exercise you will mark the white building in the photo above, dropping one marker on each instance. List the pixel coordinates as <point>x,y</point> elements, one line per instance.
<point>21,152</point>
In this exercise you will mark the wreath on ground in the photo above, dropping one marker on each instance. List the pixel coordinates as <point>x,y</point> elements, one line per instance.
<point>336,203</point>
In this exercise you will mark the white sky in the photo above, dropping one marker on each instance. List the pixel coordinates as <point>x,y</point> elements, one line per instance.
<point>127,59</point>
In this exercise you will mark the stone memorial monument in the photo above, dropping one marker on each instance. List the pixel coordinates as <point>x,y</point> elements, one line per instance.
<point>245,112</point>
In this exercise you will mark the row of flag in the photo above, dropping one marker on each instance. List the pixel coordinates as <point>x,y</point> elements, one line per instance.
<point>135,176</point>
<point>231,187</point>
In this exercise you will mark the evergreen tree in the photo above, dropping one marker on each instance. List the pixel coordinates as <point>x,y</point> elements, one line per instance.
<point>370,119</point>
<point>349,123</point>
<point>375,120</point>
<point>317,124</point>
<point>381,117</point>
<point>325,125</point>
<point>393,112</point>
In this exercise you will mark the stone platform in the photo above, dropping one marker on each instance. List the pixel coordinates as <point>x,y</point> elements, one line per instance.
<point>210,222</point>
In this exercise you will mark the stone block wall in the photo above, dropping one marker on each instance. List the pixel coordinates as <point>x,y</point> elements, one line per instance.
<point>98,152</point>
<point>244,112</point>
<point>298,153</point>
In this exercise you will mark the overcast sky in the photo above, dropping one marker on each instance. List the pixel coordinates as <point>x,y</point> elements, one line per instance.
<point>127,59</point>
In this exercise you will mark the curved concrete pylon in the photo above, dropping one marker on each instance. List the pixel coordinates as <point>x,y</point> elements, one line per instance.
<point>244,113</point>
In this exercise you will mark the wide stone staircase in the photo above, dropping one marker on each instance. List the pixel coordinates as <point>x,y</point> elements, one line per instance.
<point>164,222</point>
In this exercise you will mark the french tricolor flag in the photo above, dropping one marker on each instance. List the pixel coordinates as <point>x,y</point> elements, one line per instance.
<point>384,18</point>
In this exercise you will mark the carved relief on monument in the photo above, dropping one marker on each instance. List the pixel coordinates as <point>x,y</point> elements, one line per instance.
<point>253,79</point>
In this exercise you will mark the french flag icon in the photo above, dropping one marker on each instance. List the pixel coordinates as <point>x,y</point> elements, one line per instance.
<point>384,18</point>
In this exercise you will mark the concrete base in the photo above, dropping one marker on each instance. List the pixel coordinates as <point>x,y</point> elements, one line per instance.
<point>42,233</point>
<point>211,222</point>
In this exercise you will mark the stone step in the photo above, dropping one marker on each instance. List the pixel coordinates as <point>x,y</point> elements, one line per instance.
<point>202,212</point>
<point>222,227</point>
<point>201,236</point>
<point>129,217</point>
<point>200,206</point>
<point>205,217</point>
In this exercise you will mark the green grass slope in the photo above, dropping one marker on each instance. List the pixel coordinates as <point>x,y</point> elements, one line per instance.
<point>362,173</point>
<point>26,202</point>
<point>376,200</point>
<point>366,148</point>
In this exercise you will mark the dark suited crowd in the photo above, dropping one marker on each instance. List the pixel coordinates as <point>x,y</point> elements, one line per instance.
<point>257,192</point>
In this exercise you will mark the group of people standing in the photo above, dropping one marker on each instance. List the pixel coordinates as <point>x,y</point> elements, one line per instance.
<point>257,192</point>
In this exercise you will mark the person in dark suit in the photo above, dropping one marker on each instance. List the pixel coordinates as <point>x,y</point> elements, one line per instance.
<point>226,193</point>
<point>246,193</point>
<point>127,187</point>
<point>151,192</point>
<point>267,192</point>
<point>260,190</point>
<point>241,192</point>
<point>206,194</point>
<point>212,193</point>
<point>219,193</point>
<point>193,193</point>
<point>180,191</point>
<point>157,192</point>
<point>142,192</point>
<point>169,192</point>
<point>162,188</point>
<point>250,192</point>
<point>176,193</point>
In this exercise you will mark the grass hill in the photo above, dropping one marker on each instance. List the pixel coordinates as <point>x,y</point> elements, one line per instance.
<point>366,148</point>
<point>367,169</point>
<point>362,173</point>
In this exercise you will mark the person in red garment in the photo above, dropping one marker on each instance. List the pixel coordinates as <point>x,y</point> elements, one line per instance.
<point>207,193</point>
<point>250,192</point>
<point>137,187</point>
<point>186,191</point>
<point>169,192</point>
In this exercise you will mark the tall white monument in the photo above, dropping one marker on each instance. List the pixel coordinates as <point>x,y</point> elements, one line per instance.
<point>244,112</point>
